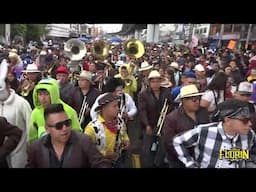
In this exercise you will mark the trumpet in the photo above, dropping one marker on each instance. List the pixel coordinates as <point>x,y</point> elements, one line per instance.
<point>82,110</point>
<point>29,85</point>
<point>128,81</point>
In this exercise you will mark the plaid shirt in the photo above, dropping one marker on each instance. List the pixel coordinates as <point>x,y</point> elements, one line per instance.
<point>207,140</point>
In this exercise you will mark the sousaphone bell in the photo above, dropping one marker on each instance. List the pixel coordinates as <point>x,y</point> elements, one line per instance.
<point>134,48</point>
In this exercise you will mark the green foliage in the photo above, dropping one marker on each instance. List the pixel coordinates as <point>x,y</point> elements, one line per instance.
<point>28,31</point>
<point>18,30</point>
<point>35,31</point>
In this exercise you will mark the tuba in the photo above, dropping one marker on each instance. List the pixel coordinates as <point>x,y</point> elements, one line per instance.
<point>100,49</point>
<point>134,48</point>
<point>75,50</point>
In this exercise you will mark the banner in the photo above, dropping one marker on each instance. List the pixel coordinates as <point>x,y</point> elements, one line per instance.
<point>231,44</point>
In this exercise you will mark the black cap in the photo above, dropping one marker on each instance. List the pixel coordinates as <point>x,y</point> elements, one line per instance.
<point>233,108</point>
<point>107,98</point>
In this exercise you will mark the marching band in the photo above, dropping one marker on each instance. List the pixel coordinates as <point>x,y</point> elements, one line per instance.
<point>107,91</point>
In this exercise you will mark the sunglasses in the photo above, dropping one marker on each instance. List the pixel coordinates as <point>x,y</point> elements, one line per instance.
<point>244,120</point>
<point>246,95</point>
<point>59,125</point>
<point>194,99</point>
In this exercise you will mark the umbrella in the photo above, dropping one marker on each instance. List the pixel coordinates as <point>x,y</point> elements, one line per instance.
<point>83,39</point>
<point>115,39</point>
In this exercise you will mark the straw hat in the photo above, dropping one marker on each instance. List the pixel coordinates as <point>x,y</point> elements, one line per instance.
<point>154,74</point>
<point>31,68</point>
<point>166,83</point>
<point>175,65</point>
<point>13,55</point>
<point>145,66</point>
<point>189,91</point>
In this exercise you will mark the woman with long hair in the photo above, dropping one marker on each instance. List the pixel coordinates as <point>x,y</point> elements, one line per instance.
<point>215,92</point>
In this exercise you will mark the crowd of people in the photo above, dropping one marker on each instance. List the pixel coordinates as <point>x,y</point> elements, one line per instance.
<point>191,104</point>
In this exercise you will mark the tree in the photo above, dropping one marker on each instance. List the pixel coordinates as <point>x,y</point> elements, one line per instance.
<point>35,31</point>
<point>18,30</point>
<point>28,31</point>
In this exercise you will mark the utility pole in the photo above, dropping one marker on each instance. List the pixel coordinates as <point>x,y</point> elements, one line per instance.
<point>248,36</point>
<point>191,32</point>
<point>8,33</point>
<point>221,34</point>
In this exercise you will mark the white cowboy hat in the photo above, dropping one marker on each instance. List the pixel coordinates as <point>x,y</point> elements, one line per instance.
<point>166,83</point>
<point>154,74</point>
<point>31,68</point>
<point>175,65</point>
<point>145,66</point>
<point>86,75</point>
<point>189,91</point>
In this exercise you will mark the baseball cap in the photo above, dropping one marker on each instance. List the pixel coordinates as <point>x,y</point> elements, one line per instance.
<point>199,67</point>
<point>189,74</point>
<point>245,88</point>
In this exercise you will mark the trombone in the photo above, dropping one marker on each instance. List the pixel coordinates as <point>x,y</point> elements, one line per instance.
<point>82,110</point>
<point>161,118</point>
<point>159,125</point>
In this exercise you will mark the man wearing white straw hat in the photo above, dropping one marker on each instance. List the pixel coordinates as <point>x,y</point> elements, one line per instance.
<point>150,104</point>
<point>188,115</point>
<point>32,77</point>
<point>144,70</point>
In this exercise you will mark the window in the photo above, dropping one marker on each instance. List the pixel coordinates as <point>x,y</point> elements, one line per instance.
<point>227,28</point>
<point>237,27</point>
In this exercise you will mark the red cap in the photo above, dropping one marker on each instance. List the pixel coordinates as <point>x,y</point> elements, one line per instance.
<point>62,69</point>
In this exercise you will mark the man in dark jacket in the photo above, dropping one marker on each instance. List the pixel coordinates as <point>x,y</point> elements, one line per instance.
<point>83,97</point>
<point>184,118</point>
<point>151,102</point>
<point>13,135</point>
<point>63,147</point>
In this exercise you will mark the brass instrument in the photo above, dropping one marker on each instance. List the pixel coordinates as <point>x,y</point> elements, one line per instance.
<point>159,125</point>
<point>29,85</point>
<point>134,48</point>
<point>121,130</point>
<point>162,118</point>
<point>82,110</point>
<point>75,50</point>
<point>127,81</point>
<point>101,50</point>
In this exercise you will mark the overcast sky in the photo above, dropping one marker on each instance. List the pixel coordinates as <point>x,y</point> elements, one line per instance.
<point>110,28</point>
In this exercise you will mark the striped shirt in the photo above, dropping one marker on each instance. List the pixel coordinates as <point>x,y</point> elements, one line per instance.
<point>208,140</point>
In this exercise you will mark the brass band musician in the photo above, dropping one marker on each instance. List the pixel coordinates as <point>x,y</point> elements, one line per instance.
<point>32,77</point>
<point>150,103</point>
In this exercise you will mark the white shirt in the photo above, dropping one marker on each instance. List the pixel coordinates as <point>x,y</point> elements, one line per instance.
<point>226,145</point>
<point>209,96</point>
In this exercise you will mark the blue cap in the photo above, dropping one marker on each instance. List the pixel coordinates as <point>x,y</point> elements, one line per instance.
<point>189,74</point>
